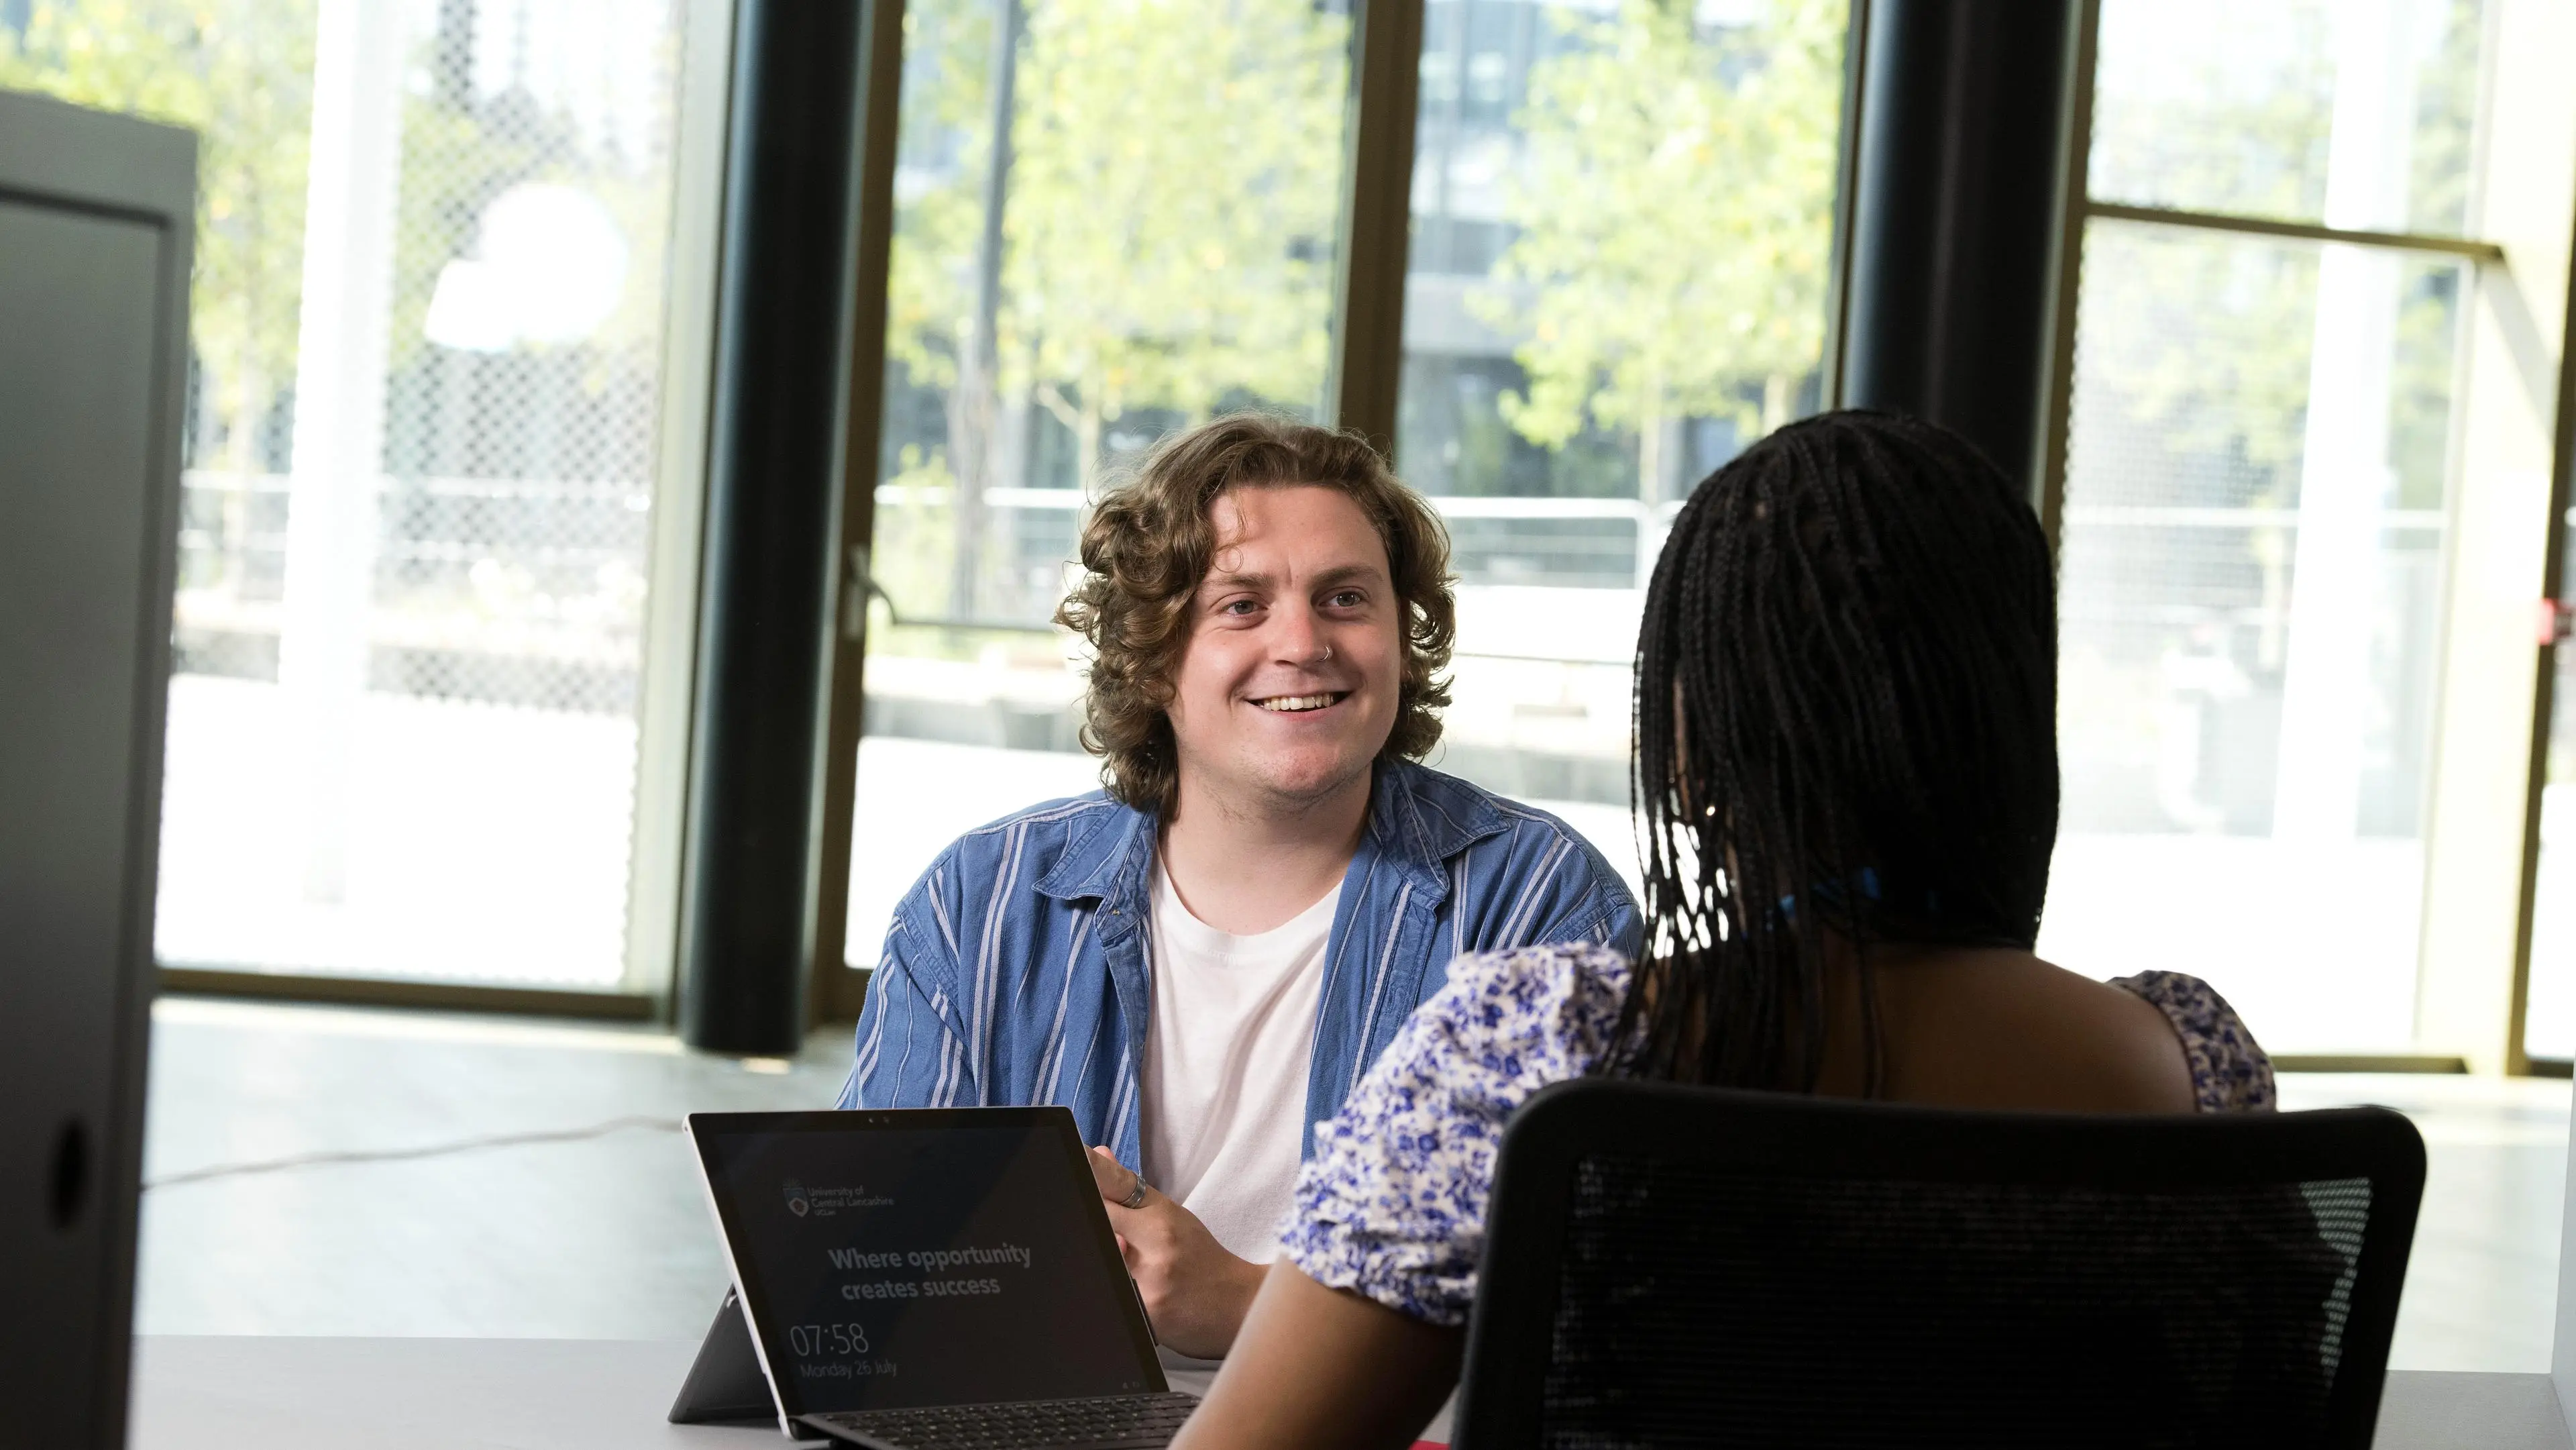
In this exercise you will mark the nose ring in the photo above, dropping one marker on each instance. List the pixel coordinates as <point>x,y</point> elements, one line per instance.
<point>1327,654</point>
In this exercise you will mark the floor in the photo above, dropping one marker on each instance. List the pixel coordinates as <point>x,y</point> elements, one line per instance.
<point>599,1233</point>
<point>2482,1282</point>
<point>349,1172</point>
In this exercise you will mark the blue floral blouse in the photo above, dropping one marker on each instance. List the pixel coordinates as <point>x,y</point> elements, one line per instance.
<point>1392,1204</point>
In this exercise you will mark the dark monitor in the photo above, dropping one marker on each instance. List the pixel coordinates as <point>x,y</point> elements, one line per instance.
<point>96,219</point>
<point>925,1256</point>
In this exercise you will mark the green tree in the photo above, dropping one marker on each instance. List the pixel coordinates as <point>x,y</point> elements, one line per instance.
<point>1672,212</point>
<point>1168,244</point>
<point>1168,215</point>
<point>239,73</point>
<point>947,44</point>
<point>1172,206</point>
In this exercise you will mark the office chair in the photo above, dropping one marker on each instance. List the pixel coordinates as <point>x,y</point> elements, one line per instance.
<point>1687,1266</point>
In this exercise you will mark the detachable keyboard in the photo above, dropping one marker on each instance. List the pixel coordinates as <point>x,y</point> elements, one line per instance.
<point>1109,1422</point>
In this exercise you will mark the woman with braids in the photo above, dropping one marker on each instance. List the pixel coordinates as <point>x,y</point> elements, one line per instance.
<point>1846,785</point>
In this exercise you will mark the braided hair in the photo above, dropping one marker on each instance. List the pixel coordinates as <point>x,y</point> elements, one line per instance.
<point>1845,713</point>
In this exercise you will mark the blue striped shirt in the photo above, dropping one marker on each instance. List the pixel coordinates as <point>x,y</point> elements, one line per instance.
<point>1015,970</point>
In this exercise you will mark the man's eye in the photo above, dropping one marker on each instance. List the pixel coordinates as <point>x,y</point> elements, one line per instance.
<point>1346,599</point>
<point>1236,606</point>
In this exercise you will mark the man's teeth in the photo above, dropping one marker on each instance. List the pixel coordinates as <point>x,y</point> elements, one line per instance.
<point>1296,702</point>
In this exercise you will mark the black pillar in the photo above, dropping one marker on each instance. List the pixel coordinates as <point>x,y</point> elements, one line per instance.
<point>773,477</point>
<point>1962,136</point>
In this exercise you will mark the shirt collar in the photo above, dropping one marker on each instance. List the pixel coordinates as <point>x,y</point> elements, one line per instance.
<point>1107,858</point>
<point>1418,820</point>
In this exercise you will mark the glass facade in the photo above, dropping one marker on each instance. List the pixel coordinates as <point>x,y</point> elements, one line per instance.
<point>426,348</point>
<point>1082,264</point>
<point>427,393</point>
<point>2248,621</point>
<point>2257,510</point>
<point>1622,226</point>
<point>2249,109</point>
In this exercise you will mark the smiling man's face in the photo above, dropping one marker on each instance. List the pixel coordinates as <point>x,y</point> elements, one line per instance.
<point>1289,685</point>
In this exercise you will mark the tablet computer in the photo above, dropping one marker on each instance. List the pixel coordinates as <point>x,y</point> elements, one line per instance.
<point>895,1259</point>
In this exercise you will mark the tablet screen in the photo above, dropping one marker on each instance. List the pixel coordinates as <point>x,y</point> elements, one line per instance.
<point>947,1256</point>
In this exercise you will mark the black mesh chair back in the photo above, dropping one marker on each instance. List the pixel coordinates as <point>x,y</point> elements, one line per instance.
<point>1686,1266</point>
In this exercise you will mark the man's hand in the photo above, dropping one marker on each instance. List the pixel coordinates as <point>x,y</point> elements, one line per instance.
<point>1195,1292</point>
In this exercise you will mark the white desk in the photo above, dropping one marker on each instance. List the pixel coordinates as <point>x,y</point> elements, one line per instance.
<point>576,1394</point>
<point>209,1393</point>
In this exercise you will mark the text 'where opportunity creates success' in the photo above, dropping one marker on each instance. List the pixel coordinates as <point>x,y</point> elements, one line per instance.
<point>930,1259</point>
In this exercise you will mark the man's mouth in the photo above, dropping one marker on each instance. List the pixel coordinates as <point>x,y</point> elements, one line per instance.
<point>1294,704</point>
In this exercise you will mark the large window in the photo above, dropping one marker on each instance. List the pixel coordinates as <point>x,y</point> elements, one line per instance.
<point>1622,228</point>
<point>1085,259</point>
<point>2261,482</point>
<point>420,467</point>
<point>431,460</point>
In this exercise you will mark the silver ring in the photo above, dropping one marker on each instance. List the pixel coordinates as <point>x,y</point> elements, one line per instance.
<point>1136,1196</point>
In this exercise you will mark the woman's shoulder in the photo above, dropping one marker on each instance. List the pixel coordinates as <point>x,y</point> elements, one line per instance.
<point>1392,1203</point>
<point>1504,1025</point>
<point>2230,1072</point>
<point>1562,1001</point>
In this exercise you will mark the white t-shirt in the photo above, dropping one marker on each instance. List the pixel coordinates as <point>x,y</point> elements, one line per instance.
<point>1226,1058</point>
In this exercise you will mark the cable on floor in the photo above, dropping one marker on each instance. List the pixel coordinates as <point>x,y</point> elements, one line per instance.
<point>432,1150</point>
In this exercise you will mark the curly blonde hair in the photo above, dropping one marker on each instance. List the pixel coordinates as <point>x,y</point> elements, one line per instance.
<point>1147,545</point>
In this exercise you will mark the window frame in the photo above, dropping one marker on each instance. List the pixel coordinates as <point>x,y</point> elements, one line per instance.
<point>2467,1017</point>
<point>1363,372</point>
<point>669,648</point>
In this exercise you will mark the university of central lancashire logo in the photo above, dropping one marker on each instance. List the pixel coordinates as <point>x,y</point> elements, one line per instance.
<point>795,1192</point>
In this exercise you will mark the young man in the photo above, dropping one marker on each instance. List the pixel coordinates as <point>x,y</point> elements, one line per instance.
<point>1202,959</point>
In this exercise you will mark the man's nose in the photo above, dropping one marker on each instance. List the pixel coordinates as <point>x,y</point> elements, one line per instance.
<point>1296,635</point>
